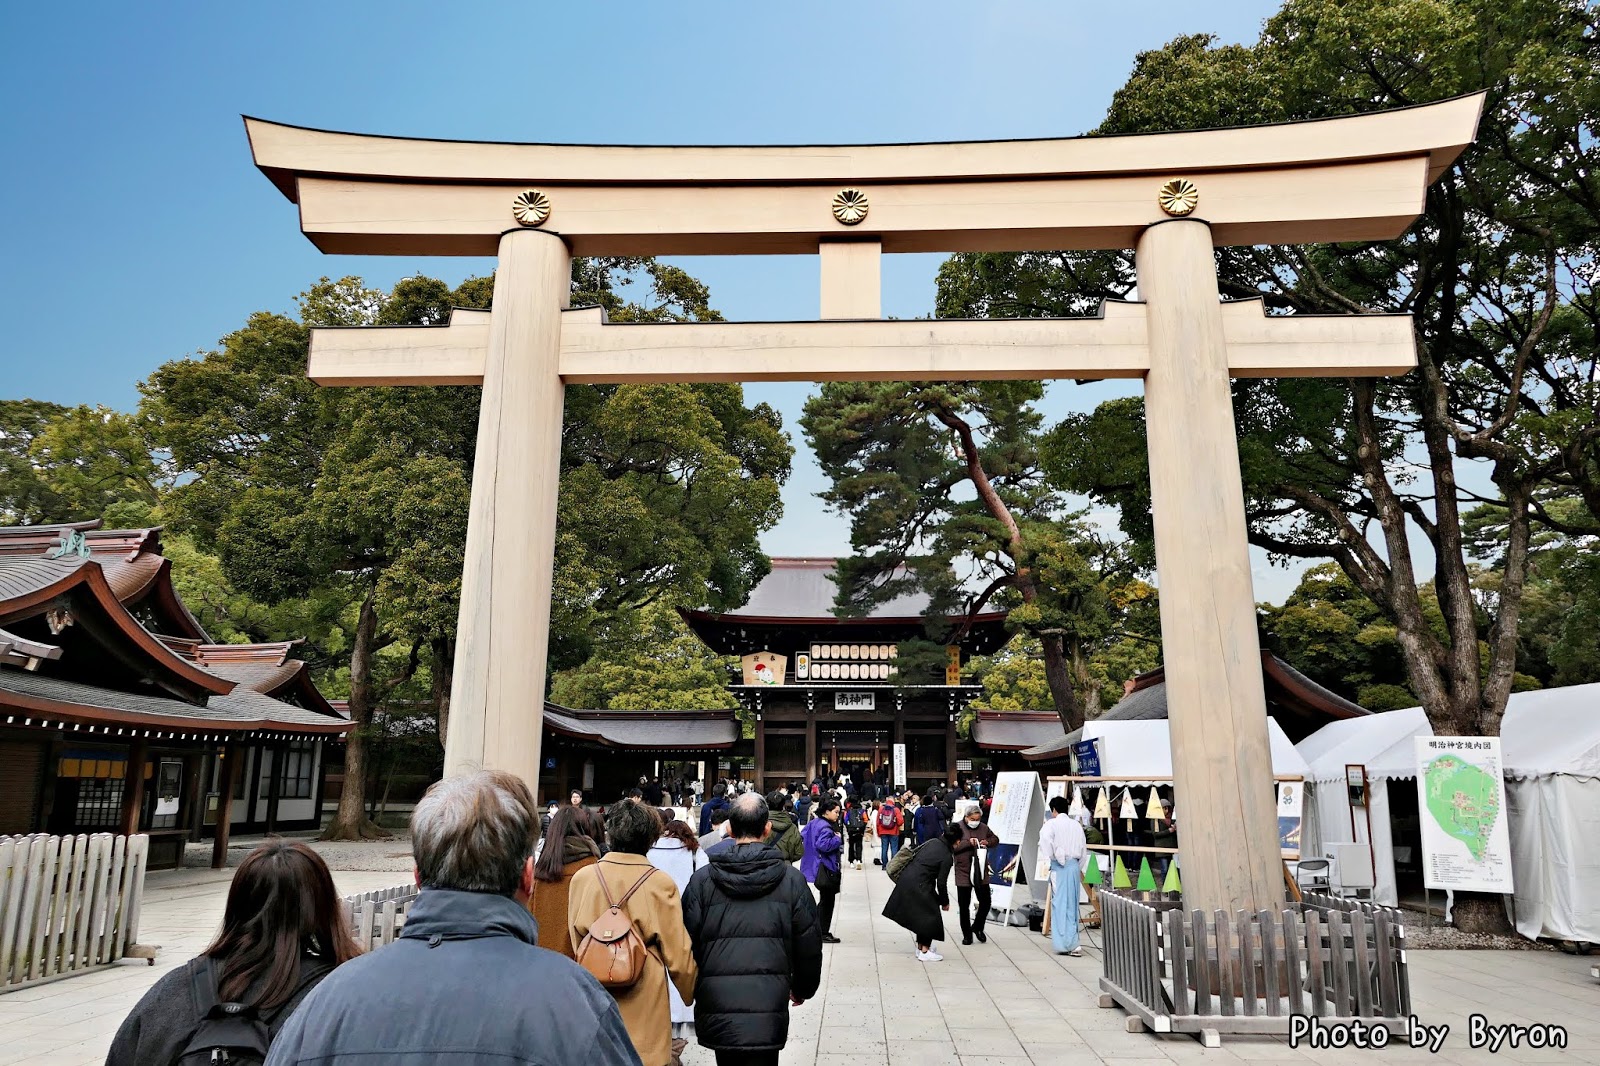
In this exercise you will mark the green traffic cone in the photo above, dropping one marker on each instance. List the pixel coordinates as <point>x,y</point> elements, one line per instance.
<point>1171,884</point>
<point>1119,876</point>
<point>1092,875</point>
<point>1147,879</point>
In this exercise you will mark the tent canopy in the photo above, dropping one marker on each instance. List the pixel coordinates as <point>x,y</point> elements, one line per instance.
<point>1139,751</point>
<point>1552,731</point>
<point>1381,742</point>
<point>1547,731</point>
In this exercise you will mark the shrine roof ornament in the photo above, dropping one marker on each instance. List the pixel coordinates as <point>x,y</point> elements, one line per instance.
<point>1354,178</point>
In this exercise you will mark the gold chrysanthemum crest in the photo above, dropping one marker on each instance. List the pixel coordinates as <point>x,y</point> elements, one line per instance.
<point>1178,196</point>
<point>530,207</point>
<point>850,206</point>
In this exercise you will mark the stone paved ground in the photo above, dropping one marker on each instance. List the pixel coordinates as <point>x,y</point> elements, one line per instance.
<point>1007,1002</point>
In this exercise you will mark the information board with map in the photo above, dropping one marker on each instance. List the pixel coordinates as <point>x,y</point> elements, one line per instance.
<point>1461,798</point>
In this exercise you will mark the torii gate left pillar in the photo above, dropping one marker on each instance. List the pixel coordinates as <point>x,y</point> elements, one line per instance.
<point>503,636</point>
<point>1172,197</point>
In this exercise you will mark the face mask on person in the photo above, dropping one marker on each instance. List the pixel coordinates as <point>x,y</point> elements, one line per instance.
<point>972,823</point>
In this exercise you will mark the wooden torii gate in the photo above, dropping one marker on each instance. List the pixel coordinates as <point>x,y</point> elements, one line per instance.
<point>1172,197</point>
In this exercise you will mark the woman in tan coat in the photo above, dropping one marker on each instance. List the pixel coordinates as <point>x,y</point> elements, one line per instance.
<point>657,915</point>
<point>566,850</point>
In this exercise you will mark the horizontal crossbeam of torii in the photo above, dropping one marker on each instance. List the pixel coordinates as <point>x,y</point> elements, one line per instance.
<point>1172,197</point>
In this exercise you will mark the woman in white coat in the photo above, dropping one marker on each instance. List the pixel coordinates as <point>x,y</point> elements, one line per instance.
<point>677,854</point>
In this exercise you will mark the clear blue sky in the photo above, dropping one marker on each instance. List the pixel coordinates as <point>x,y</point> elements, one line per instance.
<point>139,231</point>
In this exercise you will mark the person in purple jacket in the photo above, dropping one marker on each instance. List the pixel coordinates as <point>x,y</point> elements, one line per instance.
<point>820,862</point>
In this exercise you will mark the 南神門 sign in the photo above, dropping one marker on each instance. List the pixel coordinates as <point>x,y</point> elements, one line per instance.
<point>853,701</point>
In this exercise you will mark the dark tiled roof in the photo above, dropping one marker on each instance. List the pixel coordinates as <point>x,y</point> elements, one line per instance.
<point>1299,704</point>
<point>261,677</point>
<point>239,710</point>
<point>802,588</point>
<point>666,730</point>
<point>1014,730</point>
<point>21,575</point>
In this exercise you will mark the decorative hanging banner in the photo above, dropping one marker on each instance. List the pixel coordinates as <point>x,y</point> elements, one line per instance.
<point>1087,753</point>
<point>1291,807</point>
<point>1102,805</point>
<point>763,668</point>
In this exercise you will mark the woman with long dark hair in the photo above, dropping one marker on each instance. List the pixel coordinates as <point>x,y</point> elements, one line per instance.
<point>283,930</point>
<point>568,849</point>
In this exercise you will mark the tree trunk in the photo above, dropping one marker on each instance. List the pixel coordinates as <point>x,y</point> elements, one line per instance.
<point>443,666</point>
<point>350,821</point>
<point>1058,675</point>
<point>1057,671</point>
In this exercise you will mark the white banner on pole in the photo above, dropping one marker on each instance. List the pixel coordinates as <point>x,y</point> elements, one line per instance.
<point>1461,797</point>
<point>899,766</point>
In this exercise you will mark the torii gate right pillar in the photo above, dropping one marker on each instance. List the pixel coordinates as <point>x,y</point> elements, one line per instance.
<point>1216,703</point>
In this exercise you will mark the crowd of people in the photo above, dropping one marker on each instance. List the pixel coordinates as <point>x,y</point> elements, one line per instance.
<point>612,936</point>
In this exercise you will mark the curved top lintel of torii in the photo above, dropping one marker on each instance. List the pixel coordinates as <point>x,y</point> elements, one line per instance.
<point>1350,178</point>
<point>1439,130</point>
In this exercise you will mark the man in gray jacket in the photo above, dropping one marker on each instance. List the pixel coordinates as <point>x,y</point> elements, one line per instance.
<point>465,983</point>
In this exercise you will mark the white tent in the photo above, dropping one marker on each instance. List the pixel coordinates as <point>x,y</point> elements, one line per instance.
<point>1550,743</point>
<point>1139,751</point>
<point>1381,743</point>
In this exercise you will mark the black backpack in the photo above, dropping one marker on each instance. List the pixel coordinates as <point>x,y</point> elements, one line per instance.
<point>229,1034</point>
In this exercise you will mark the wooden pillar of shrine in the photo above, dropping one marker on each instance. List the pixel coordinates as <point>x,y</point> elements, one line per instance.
<point>497,692</point>
<point>1216,703</point>
<point>133,786</point>
<point>232,755</point>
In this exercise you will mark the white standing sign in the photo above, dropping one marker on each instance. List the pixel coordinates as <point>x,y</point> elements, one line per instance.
<point>899,767</point>
<point>1015,816</point>
<point>1461,797</point>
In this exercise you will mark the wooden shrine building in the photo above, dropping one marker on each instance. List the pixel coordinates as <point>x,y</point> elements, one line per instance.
<point>604,753</point>
<point>118,713</point>
<point>826,692</point>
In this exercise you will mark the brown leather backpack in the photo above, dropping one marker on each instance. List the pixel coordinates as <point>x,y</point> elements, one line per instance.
<point>612,949</point>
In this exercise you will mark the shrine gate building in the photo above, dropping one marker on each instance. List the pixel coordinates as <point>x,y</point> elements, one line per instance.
<point>827,693</point>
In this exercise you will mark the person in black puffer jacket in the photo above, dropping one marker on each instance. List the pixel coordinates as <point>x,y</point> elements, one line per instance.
<point>757,942</point>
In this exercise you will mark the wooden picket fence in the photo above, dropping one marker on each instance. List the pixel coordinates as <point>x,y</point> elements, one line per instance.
<point>376,917</point>
<point>1212,973</point>
<point>69,904</point>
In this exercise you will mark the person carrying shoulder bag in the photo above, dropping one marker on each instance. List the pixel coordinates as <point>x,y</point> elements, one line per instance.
<point>626,902</point>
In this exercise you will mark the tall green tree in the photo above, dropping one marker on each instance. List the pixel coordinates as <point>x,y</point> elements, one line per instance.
<point>1497,275</point>
<point>70,464</point>
<point>945,496</point>
<point>361,495</point>
<point>656,664</point>
<point>1494,274</point>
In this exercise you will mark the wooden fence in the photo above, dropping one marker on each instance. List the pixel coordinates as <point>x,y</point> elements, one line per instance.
<point>1211,973</point>
<point>69,904</point>
<point>377,917</point>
